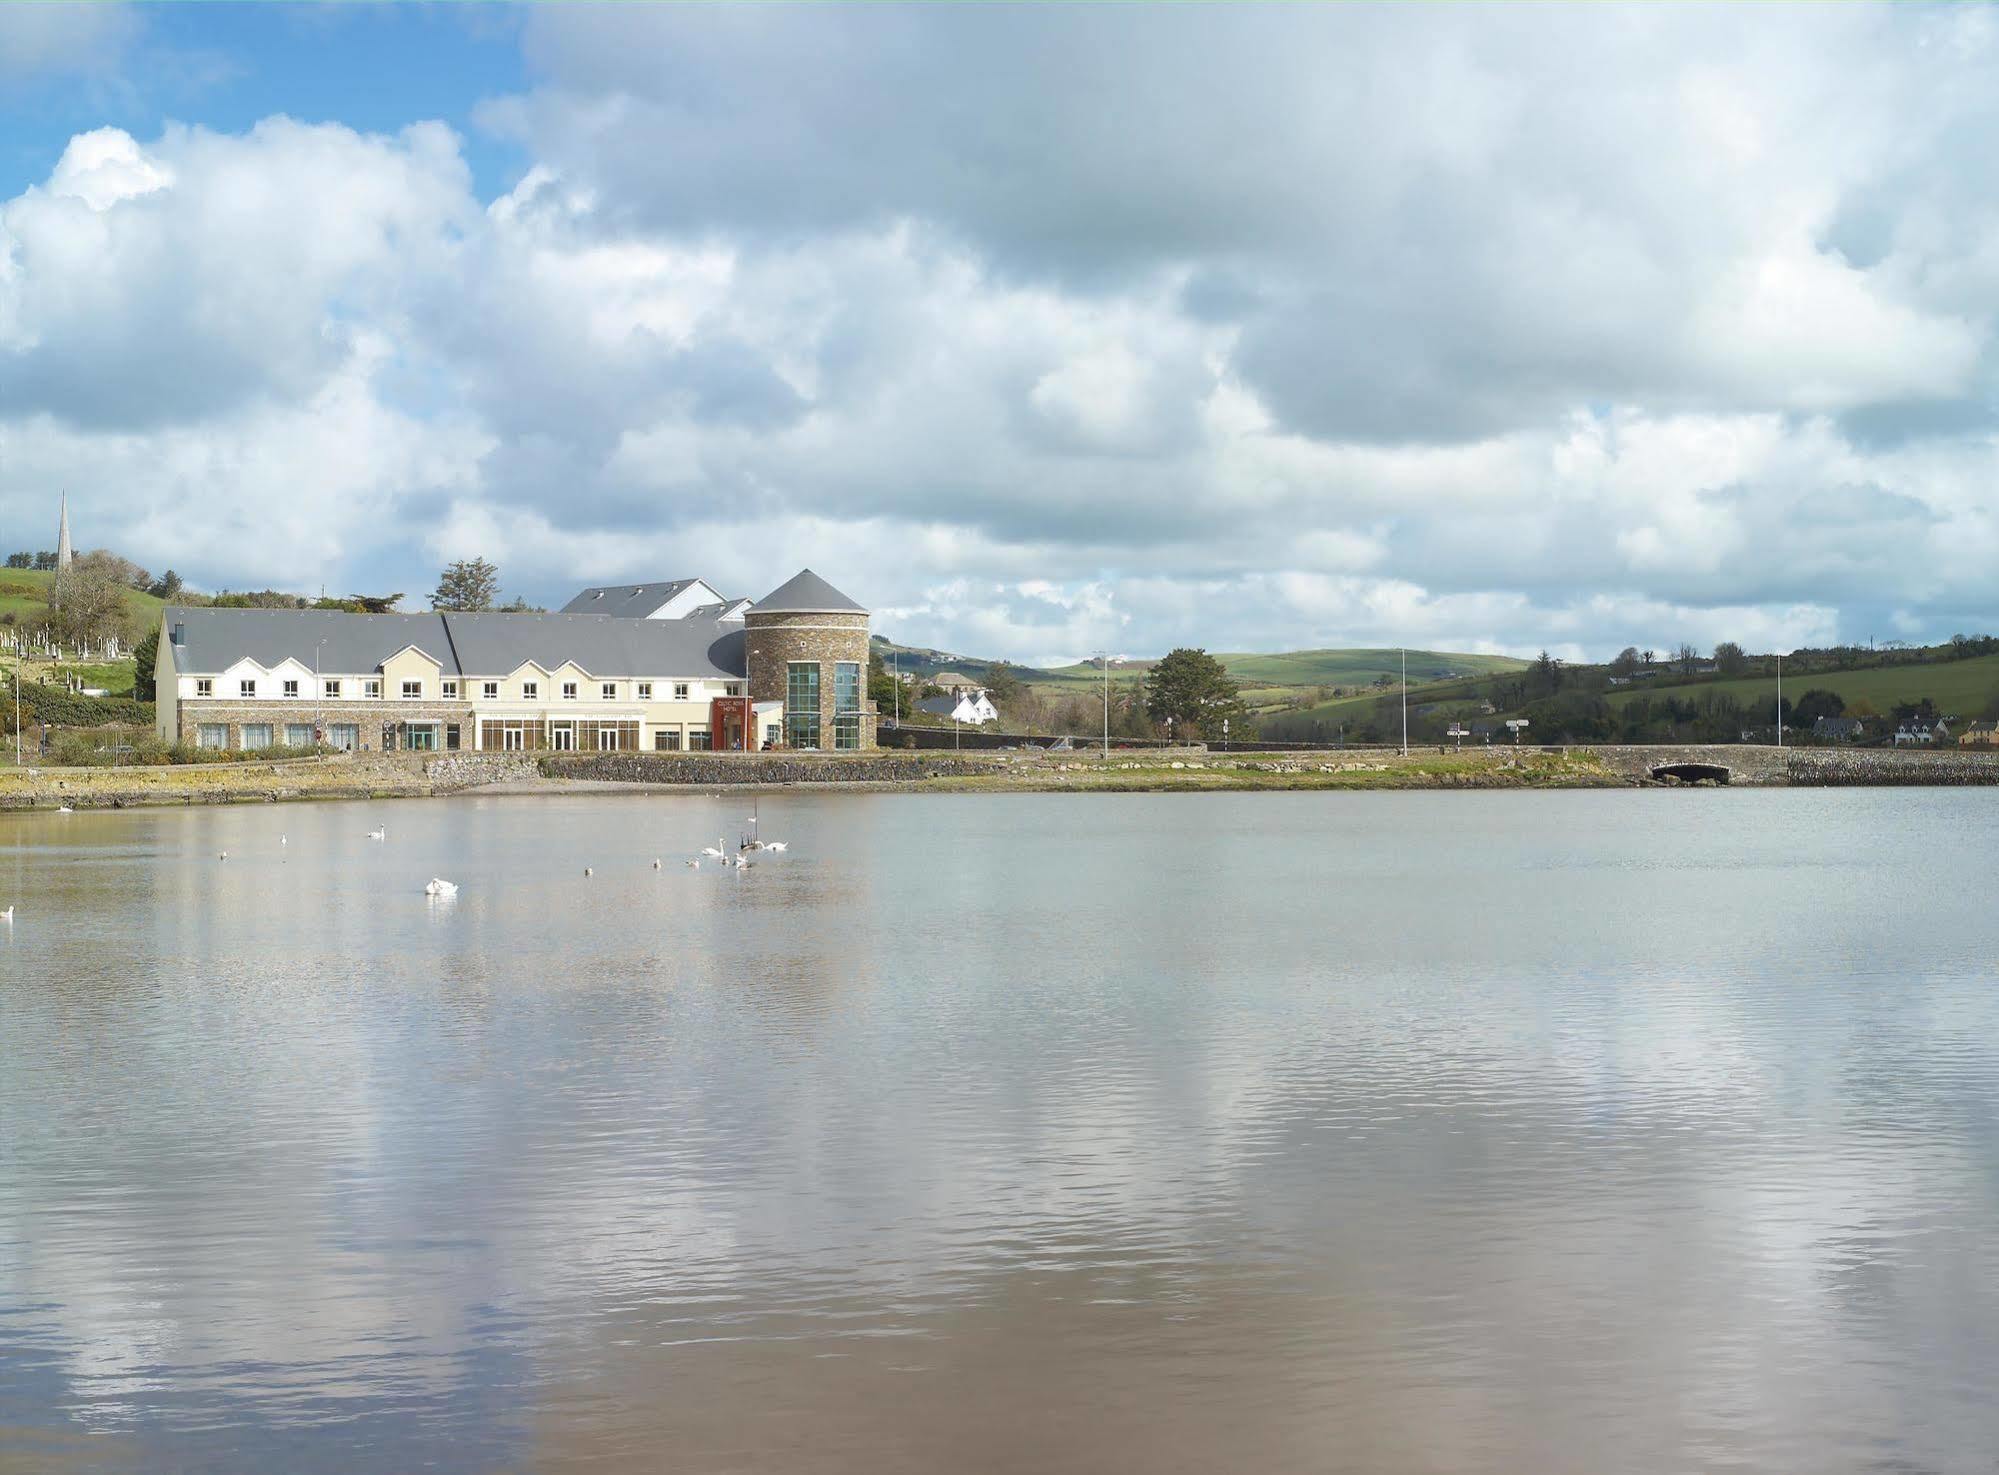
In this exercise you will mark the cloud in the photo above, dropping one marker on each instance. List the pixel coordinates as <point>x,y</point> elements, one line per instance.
<point>55,41</point>
<point>1044,329</point>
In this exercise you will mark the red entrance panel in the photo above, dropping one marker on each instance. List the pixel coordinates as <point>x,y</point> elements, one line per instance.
<point>728,722</point>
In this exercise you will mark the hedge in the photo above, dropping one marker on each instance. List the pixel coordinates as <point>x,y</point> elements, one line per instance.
<point>61,708</point>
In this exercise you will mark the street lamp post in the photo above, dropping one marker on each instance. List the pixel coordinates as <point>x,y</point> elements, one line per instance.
<point>1405,703</point>
<point>1106,660</point>
<point>1780,699</point>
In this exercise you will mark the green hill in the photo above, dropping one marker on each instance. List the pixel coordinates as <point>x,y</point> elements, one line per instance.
<point>1967,688</point>
<point>24,595</point>
<point>1329,667</point>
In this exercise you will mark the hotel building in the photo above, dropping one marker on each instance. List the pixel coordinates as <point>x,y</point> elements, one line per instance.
<point>668,667</point>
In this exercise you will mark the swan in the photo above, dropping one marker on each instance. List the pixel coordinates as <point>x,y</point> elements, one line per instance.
<point>64,809</point>
<point>381,834</point>
<point>284,840</point>
<point>694,865</point>
<point>655,862</point>
<point>588,872</point>
<point>440,888</point>
<point>715,851</point>
<point>773,845</point>
<point>7,916</point>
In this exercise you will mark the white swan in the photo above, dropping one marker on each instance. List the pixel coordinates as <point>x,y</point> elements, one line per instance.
<point>7,916</point>
<point>284,840</point>
<point>440,888</point>
<point>64,809</point>
<point>381,834</point>
<point>694,864</point>
<point>715,851</point>
<point>774,845</point>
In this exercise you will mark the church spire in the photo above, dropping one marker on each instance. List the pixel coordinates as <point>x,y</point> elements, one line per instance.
<point>62,545</point>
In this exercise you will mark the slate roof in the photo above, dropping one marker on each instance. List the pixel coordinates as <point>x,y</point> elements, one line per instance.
<point>475,645</point>
<point>805,593</point>
<point>629,600</point>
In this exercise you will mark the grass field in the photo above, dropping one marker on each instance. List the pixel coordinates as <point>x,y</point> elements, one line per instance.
<point>24,594</point>
<point>1264,672</point>
<point>1959,688</point>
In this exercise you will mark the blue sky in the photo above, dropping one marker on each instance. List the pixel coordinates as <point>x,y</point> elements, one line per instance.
<point>1041,329</point>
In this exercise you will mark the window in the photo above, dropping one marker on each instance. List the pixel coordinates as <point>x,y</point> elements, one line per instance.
<point>530,690</point>
<point>256,736</point>
<point>212,735</point>
<point>773,735</point>
<point>451,737</point>
<point>698,739</point>
<point>665,741</point>
<point>412,690</point>
<point>610,691</point>
<point>371,687</point>
<point>846,705</point>
<point>732,688</point>
<point>645,691</point>
<point>246,687</point>
<point>298,734</point>
<point>331,688</point>
<point>290,688</point>
<point>450,690</point>
<point>801,704</point>
<point>680,691</point>
<point>607,738</point>
<point>562,737</point>
<point>346,736</point>
<point>490,691</point>
<point>422,737</point>
<point>569,691</point>
<point>204,686</point>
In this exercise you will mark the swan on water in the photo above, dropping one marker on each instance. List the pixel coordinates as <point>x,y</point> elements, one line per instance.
<point>64,809</point>
<point>7,916</point>
<point>381,834</point>
<point>440,888</point>
<point>715,851</point>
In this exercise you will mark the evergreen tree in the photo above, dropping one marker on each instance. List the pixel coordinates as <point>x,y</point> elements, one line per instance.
<point>1193,688</point>
<point>469,584</point>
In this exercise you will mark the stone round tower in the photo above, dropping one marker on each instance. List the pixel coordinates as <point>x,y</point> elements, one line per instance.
<point>807,652</point>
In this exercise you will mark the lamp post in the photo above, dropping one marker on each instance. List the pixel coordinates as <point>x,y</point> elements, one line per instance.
<point>1405,703</point>
<point>318,695</point>
<point>1780,699</point>
<point>1105,658</point>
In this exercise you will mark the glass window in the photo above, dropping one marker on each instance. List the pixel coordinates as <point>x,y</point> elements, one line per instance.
<point>490,691</point>
<point>645,691</point>
<point>773,735</point>
<point>298,734</point>
<point>847,686</point>
<point>451,737</point>
<point>212,735</point>
<point>412,690</point>
<point>346,736</point>
<point>607,738</point>
<point>562,736</point>
<point>732,688</point>
<point>246,687</point>
<point>291,688</point>
<point>801,704</point>
<point>256,736</point>
<point>680,691</point>
<point>569,691</point>
<point>530,690</point>
<point>204,686</point>
<point>331,688</point>
<point>846,731</point>
<point>422,737</point>
<point>610,691</point>
<point>664,741</point>
<point>450,689</point>
<point>698,739</point>
<point>372,687</point>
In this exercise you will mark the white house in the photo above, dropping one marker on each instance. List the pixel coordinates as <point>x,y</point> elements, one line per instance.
<point>970,706</point>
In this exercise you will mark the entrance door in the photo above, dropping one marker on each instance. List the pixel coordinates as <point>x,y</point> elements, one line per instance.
<point>513,739</point>
<point>423,738</point>
<point>562,738</point>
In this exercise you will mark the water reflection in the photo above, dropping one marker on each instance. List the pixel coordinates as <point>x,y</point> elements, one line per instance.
<point>1562,1132</point>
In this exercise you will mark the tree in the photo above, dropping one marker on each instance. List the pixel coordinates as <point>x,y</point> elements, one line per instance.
<point>1687,658</point>
<point>20,560</point>
<point>1545,675</point>
<point>518,605</point>
<point>375,604</point>
<point>1003,688</point>
<point>884,690</point>
<point>168,587</point>
<point>144,660</point>
<point>1626,661</point>
<point>45,560</point>
<point>1729,659</point>
<point>1648,657</point>
<point>467,585</point>
<point>1818,703</point>
<point>92,606</point>
<point>1193,689</point>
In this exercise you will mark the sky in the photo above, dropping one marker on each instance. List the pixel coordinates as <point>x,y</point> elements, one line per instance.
<point>1041,330</point>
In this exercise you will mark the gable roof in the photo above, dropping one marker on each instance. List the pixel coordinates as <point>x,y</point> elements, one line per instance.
<point>805,593</point>
<point>629,600</point>
<point>486,644</point>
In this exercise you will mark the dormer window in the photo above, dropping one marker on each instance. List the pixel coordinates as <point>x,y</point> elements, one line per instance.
<point>610,691</point>
<point>204,686</point>
<point>530,690</point>
<point>246,687</point>
<point>569,691</point>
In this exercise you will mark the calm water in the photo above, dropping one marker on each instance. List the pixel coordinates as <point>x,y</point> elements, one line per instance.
<point>1373,1133</point>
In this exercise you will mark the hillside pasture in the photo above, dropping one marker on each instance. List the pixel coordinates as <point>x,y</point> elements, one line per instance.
<point>1967,688</point>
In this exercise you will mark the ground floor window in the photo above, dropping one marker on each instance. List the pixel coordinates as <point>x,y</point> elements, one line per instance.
<point>422,737</point>
<point>256,736</point>
<point>801,729</point>
<point>298,734</point>
<point>212,735</point>
<point>562,736</point>
<point>666,742</point>
<point>699,740</point>
<point>512,735</point>
<point>773,734</point>
<point>451,737</point>
<point>846,731</point>
<point>346,736</point>
<point>607,739</point>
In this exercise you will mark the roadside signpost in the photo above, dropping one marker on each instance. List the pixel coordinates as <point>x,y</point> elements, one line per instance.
<point>1457,735</point>
<point>1516,723</point>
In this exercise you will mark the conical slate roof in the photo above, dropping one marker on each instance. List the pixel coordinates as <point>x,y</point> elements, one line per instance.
<point>805,593</point>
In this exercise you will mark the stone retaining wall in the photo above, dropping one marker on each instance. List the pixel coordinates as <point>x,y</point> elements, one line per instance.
<point>1883,767</point>
<point>757,768</point>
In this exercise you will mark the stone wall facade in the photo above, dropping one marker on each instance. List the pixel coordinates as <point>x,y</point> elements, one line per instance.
<point>697,769</point>
<point>776,641</point>
<point>367,716</point>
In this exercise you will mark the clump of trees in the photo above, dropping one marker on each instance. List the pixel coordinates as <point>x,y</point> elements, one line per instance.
<point>1193,691</point>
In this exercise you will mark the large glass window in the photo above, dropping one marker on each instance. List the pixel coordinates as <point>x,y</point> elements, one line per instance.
<point>256,736</point>
<point>801,704</point>
<point>346,736</point>
<point>562,736</point>
<point>664,741</point>
<point>298,734</point>
<point>699,739</point>
<point>212,735</point>
<point>847,705</point>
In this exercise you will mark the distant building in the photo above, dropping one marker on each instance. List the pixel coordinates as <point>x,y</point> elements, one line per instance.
<point>969,706</point>
<point>1918,733</point>
<point>952,683</point>
<point>1838,729</point>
